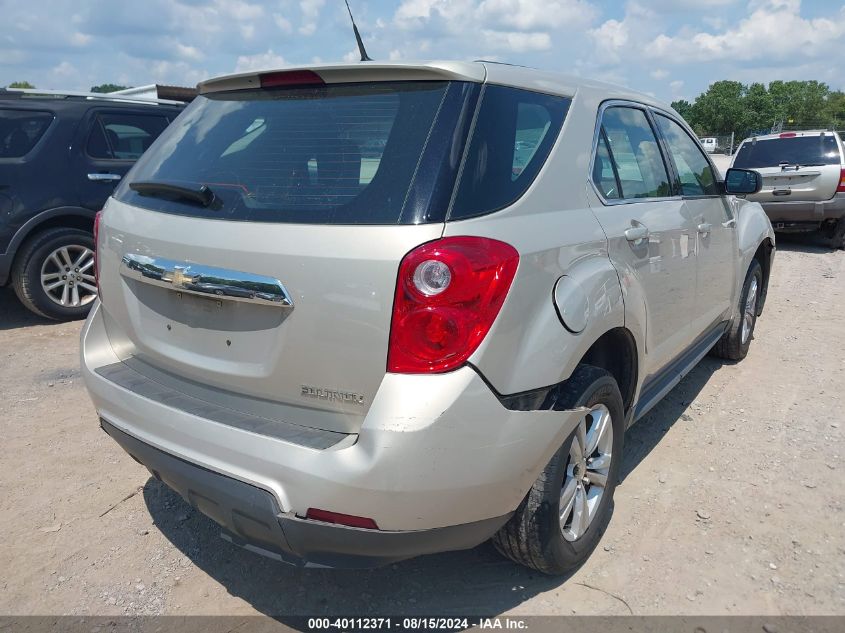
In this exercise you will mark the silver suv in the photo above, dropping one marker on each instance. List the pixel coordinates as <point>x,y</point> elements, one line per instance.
<point>803,180</point>
<point>363,312</point>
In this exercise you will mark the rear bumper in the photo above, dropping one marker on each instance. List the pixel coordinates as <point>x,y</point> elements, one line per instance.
<point>251,518</point>
<point>436,451</point>
<point>797,211</point>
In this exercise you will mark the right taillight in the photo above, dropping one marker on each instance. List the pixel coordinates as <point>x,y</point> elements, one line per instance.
<point>841,187</point>
<point>448,293</point>
<point>97,249</point>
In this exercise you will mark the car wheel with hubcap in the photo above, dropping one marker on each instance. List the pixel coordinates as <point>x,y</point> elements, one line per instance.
<point>563,516</point>
<point>53,274</point>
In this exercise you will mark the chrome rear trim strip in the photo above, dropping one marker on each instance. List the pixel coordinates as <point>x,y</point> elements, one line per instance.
<point>208,281</point>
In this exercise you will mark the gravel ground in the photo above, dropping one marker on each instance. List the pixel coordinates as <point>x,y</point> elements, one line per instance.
<point>731,502</point>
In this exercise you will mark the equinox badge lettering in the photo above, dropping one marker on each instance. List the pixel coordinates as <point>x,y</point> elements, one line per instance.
<point>331,394</point>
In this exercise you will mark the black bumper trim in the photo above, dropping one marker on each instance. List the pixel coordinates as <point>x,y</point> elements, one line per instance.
<point>251,518</point>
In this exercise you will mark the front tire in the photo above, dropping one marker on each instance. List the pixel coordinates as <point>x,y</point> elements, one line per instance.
<point>564,515</point>
<point>736,340</point>
<point>53,274</point>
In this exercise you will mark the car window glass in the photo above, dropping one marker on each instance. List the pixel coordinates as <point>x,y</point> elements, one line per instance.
<point>694,170</point>
<point>336,154</point>
<point>513,135</point>
<point>124,136</point>
<point>603,173</point>
<point>636,154</point>
<point>821,149</point>
<point>20,130</point>
<point>532,124</point>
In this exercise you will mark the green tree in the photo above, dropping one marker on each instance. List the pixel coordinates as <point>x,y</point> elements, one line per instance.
<point>684,108</point>
<point>799,103</point>
<point>758,113</point>
<point>834,109</point>
<point>719,110</point>
<point>21,84</point>
<point>108,88</point>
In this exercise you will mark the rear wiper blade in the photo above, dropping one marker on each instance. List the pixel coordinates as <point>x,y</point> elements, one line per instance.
<point>200,194</point>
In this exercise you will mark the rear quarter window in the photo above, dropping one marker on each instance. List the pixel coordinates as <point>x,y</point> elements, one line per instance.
<point>514,132</point>
<point>20,130</point>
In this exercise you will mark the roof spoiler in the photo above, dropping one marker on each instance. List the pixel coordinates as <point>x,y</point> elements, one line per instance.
<point>353,73</point>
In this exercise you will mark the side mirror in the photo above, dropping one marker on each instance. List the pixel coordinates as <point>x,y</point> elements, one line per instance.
<point>741,182</point>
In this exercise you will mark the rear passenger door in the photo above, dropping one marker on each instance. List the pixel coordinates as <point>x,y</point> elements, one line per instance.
<point>650,239</point>
<point>109,143</point>
<point>715,234</point>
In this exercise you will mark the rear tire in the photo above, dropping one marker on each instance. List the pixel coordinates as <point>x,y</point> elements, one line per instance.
<point>536,536</point>
<point>737,338</point>
<point>836,237</point>
<point>51,256</point>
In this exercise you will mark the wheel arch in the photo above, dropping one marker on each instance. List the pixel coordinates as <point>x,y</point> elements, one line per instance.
<point>765,255</point>
<point>756,240</point>
<point>616,352</point>
<point>69,217</point>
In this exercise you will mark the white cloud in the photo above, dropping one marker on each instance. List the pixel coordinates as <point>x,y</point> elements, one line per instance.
<point>239,10</point>
<point>517,41</point>
<point>528,15</point>
<point>247,31</point>
<point>189,52</point>
<point>64,69</point>
<point>80,39</point>
<point>283,23</point>
<point>310,13</point>
<point>610,38</point>
<point>659,74</point>
<point>260,61</point>
<point>774,30</point>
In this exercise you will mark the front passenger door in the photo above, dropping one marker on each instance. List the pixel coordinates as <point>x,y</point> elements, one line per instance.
<point>715,234</point>
<point>650,240</point>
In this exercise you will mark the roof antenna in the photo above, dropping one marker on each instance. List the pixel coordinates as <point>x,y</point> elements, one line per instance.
<point>361,49</point>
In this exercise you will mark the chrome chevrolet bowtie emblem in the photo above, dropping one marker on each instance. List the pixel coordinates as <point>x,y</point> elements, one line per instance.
<point>180,278</point>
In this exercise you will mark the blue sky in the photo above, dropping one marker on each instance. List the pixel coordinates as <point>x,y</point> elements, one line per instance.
<point>671,48</point>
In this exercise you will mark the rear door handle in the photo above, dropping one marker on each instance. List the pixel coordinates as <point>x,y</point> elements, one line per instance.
<point>636,233</point>
<point>704,228</point>
<point>104,177</point>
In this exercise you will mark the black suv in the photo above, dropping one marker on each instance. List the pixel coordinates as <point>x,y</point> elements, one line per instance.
<point>61,156</point>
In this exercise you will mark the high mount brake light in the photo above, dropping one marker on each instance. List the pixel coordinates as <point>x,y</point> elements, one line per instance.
<point>448,294</point>
<point>290,78</point>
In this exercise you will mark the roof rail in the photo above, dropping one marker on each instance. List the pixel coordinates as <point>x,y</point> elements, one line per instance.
<point>100,96</point>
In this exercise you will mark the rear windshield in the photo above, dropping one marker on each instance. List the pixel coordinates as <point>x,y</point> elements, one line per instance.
<point>796,150</point>
<point>20,130</point>
<point>337,154</point>
<point>375,153</point>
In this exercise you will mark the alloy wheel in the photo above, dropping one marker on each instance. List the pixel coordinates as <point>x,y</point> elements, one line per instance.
<point>67,276</point>
<point>587,471</point>
<point>750,311</point>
